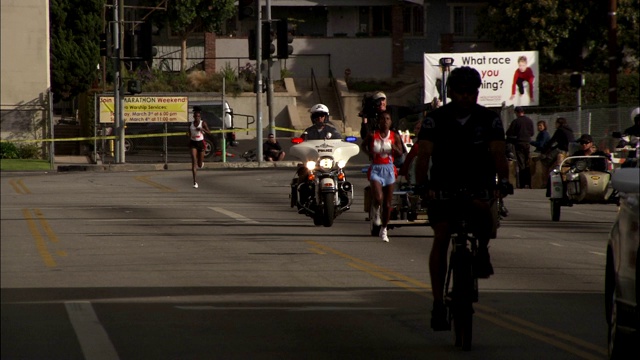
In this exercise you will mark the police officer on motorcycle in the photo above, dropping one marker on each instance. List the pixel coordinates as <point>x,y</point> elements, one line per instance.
<point>320,130</point>
<point>322,127</point>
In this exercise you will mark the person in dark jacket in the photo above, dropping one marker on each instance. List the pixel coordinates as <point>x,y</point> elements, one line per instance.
<point>588,148</point>
<point>558,146</point>
<point>272,150</point>
<point>542,138</point>
<point>519,135</point>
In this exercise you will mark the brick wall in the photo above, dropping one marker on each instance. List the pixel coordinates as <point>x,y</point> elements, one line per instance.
<point>209,53</point>
<point>397,43</point>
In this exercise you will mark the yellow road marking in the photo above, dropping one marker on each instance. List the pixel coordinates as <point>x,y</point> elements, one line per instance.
<point>41,245</point>
<point>156,185</point>
<point>318,251</point>
<point>45,225</point>
<point>506,321</point>
<point>19,187</point>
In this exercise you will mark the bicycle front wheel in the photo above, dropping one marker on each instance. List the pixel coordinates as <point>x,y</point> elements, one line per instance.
<point>464,294</point>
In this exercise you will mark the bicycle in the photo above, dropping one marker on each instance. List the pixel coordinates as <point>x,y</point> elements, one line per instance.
<point>461,284</point>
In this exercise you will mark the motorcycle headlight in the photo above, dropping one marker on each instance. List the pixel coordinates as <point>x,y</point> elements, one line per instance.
<point>342,163</point>
<point>311,165</point>
<point>581,165</point>
<point>326,163</point>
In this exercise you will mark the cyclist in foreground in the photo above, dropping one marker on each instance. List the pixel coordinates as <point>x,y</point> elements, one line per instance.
<point>465,144</point>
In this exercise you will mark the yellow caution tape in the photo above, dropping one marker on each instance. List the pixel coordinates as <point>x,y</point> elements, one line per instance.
<point>114,137</point>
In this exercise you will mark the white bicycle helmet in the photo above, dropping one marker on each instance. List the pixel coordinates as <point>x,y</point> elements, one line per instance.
<point>319,108</point>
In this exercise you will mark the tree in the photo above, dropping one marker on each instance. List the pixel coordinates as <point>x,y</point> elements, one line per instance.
<point>570,35</point>
<point>188,16</point>
<point>74,26</point>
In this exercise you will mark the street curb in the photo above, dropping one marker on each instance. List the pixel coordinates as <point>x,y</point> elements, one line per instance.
<point>173,166</point>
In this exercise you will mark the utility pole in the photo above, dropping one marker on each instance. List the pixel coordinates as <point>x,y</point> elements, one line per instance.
<point>272,125</point>
<point>613,52</point>
<point>117,114</point>
<point>120,82</point>
<point>259,81</point>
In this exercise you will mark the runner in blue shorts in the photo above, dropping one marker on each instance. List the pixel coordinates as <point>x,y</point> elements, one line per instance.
<point>383,145</point>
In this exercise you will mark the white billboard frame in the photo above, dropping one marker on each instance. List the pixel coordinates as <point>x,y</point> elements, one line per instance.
<point>508,78</point>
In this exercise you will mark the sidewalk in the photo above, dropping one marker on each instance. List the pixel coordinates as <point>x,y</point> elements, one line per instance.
<point>83,163</point>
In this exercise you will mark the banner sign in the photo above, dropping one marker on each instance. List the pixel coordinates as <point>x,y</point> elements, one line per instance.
<point>147,109</point>
<point>509,77</point>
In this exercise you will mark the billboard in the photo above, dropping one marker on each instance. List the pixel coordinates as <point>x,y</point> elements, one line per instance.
<point>147,109</point>
<point>509,77</point>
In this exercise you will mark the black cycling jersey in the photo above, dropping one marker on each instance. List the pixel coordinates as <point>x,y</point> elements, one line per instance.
<point>461,156</point>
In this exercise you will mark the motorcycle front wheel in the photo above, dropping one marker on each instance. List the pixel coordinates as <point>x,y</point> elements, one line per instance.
<point>329,213</point>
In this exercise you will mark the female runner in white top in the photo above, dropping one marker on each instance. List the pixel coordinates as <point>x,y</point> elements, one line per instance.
<point>196,143</point>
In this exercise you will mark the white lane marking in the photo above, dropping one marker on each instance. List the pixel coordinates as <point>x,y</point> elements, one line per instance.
<point>556,244</point>
<point>597,253</point>
<point>233,215</point>
<point>93,339</point>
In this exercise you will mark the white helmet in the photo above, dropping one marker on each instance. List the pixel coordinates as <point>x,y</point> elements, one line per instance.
<point>319,108</point>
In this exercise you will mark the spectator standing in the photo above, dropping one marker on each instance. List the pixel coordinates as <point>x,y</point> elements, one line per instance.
<point>556,149</point>
<point>543,136</point>
<point>519,135</point>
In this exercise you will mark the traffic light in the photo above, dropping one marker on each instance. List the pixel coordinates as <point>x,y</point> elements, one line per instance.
<point>138,44</point>
<point>145,41</point>
<point>105,44</point>
<point>268,36</point>
<point>576,80</point>
<point>252,45</point>
<point>134,87</point>
<point>247,9</point>
<point>285,39</point>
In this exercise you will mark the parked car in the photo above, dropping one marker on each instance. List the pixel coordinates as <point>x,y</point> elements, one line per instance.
<point>211,112</point>
<point>622,287</point>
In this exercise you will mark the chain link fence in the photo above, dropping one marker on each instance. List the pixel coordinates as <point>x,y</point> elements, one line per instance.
<point>598,121</point>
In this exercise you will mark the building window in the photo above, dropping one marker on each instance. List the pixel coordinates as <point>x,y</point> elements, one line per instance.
<point>413,20</point>
<point>464,19</point>
<point>375,20</point>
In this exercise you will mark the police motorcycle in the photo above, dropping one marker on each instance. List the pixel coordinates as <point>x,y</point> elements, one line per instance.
<point>320,189</point>
<point>627,151</point>
<point>581,184</point>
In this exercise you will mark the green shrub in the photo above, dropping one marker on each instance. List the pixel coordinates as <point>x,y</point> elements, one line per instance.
<point>8,150</point>
<point>29,151</point>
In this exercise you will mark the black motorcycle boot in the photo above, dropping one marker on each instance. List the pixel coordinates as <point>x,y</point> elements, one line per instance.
<point>439,317</point>
<point>482,268</point>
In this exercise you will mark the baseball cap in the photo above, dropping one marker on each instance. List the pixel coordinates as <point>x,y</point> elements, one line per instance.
<point>585,139</point>
<point>379,95</point>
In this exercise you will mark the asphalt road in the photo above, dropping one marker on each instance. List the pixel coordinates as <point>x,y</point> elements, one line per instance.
<point>139,265</point>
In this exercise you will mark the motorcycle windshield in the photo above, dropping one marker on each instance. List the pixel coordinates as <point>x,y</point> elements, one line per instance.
<point>311,150</point>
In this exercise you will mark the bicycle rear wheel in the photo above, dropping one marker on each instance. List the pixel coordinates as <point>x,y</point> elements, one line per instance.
<point>463,325</point>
